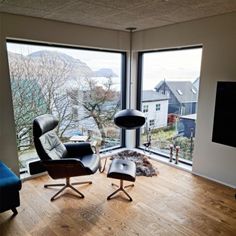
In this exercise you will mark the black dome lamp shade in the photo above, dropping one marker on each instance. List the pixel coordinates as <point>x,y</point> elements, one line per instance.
<point>129,118</point>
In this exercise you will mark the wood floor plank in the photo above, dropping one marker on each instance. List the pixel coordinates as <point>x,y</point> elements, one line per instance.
<point>173,203</point>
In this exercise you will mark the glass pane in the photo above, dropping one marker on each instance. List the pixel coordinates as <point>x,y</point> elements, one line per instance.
<point>80,87</point>
<point>170,85</point>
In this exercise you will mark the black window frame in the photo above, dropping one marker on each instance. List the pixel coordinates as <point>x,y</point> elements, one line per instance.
<point>139,93</point>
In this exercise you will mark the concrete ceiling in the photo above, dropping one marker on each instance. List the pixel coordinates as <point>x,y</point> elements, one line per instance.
<point>119,14</point>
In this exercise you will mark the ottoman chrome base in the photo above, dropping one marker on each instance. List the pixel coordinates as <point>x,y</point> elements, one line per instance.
<point>122,170</point>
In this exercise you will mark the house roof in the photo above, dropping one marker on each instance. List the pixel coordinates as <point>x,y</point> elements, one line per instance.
<point>184,91</point>
<point>196,82</point>
<point>189,117</point>
<point>151,95</point>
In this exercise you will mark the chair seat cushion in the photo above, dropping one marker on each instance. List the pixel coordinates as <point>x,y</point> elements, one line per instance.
<point>122,169</point>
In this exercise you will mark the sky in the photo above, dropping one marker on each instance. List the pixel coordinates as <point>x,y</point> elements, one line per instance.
<point>157,66</point>
<point>171,65</point>
<point>94,59</point>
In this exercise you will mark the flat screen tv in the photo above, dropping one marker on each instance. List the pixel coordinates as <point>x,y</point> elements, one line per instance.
<point>224,128</point>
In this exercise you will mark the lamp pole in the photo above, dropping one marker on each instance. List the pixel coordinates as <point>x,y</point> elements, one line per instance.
<point>130,29</point>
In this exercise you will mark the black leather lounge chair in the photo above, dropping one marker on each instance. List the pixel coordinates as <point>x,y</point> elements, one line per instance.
<point>62,160</point>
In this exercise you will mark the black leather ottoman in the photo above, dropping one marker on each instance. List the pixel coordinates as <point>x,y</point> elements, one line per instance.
<point>122,170</point>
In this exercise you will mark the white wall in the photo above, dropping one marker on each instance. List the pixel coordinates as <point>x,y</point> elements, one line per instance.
<point>35,29</point>
<point>218,37</point>
<point>7,128</point>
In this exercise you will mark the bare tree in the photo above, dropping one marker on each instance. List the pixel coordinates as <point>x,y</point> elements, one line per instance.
<point>28,100</point>
<point>53,73</point>
<point>38,87</point>
<point>100,102</point>
<point>40,84</point>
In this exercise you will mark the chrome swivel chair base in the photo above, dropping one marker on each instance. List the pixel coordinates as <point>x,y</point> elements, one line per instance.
<point>67,185</point>
<point>121,188</point>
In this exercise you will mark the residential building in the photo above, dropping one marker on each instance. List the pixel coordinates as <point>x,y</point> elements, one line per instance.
<point>196,83</point>
<point>155,107</point>
<point>183,96</point>
<point>186,125</point>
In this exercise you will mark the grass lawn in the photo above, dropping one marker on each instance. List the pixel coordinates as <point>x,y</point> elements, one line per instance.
<point>161,140</point>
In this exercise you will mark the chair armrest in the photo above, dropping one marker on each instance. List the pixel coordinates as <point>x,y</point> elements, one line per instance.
<point>92,162</point>
<point>78,149</point>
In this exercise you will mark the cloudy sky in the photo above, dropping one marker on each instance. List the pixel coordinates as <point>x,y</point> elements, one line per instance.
<point>171,65</point>
<point>168,65</point>
<point>94,59</point>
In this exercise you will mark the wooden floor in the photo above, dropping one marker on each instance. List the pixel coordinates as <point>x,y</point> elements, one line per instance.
<point>173,203</point>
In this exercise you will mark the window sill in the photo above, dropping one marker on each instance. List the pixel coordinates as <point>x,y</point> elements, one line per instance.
<point>165,160</point>
<point>106,154</point>
<point>152,156</point>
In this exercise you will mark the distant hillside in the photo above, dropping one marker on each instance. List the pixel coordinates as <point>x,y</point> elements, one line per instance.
<point>79,68</point>
<point>45,53</point>
<point>105,72</point>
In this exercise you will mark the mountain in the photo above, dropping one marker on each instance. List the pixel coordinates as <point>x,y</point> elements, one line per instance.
<point>105,72</point>
<point>79,68</point>
<point>54,54</point>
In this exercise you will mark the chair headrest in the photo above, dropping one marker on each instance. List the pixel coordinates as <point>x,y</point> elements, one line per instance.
<point>43,124</point>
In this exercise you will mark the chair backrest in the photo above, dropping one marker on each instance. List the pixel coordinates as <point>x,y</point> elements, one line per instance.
<point>47,143</point>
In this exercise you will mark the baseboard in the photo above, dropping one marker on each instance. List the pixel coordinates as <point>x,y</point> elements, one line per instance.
<point>214,180</point>
<point>27,176</point>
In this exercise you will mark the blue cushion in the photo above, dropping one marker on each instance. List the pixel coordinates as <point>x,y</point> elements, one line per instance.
<point>10,185</point>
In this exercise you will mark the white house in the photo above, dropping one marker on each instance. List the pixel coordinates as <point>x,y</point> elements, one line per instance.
<point>155,107</point>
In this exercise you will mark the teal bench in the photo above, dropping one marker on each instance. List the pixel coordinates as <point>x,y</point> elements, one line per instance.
<point>10,186</point>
